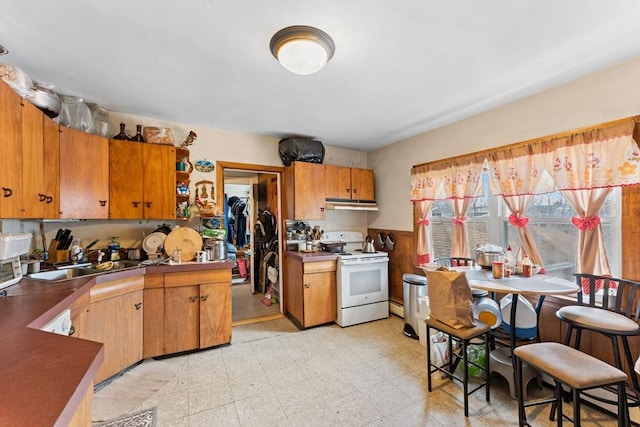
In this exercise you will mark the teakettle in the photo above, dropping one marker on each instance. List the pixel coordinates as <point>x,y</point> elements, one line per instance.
<point>368,247</point>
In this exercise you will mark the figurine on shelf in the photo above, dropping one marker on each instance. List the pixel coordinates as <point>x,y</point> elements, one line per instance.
<point>189,139</point>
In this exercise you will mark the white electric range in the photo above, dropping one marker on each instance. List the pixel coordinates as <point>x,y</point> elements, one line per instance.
<point>362,280</point>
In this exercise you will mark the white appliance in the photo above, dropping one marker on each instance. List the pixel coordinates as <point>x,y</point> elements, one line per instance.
<point>12,246</point>
<point>60,325</point>
<point>362,280</point>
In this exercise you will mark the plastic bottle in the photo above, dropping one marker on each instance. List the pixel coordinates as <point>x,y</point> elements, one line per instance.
<point>509,262</point>
<point>77,251</point>
<point>527,266</point>
<point>113,250</point>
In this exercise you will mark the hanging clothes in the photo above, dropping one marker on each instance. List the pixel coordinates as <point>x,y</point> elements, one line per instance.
<point>238,221</point>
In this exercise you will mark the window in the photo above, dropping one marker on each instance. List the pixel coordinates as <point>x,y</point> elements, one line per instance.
<point>549,221</point>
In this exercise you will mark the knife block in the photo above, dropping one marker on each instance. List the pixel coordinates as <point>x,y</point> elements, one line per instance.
<point>56,255</point>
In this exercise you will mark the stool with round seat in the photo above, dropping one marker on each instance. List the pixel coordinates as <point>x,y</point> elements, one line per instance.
<point>500,362</point>
<point>574,369</point>
<point>614,316</point>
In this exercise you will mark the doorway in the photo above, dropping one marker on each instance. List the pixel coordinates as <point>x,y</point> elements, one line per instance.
<point>250,195</point>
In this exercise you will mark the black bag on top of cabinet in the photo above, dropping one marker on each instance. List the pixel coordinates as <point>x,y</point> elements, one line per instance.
<point>300,149</point>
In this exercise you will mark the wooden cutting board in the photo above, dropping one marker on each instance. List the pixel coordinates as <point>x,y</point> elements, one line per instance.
<point>186,239</point>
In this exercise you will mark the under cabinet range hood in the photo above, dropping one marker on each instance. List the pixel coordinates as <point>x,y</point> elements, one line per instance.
<point>352,205</point>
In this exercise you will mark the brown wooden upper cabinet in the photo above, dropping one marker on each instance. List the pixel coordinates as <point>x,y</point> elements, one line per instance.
<point>141,180</point>
<point>10,153</point>
<point>84,175</point>
<point>40,164</point>
<point>304,185</point>
<point>349,183</point>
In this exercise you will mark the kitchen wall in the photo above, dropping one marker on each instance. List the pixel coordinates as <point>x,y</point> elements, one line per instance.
<point>600,97</point>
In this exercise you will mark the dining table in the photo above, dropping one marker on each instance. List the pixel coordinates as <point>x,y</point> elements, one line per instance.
<point>538,285</point>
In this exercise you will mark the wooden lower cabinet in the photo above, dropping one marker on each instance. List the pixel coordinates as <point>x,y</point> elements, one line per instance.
<point>82,416</point>
<point>115,318</point>
<point>153,338</point>
<point>197,310</point>
<point>311,294</point>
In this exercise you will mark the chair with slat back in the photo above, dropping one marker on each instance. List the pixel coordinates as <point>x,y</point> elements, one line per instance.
<point>455,262</point>
<point>613,313</point>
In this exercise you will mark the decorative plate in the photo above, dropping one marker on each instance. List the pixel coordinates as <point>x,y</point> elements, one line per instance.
<point>204,166</point>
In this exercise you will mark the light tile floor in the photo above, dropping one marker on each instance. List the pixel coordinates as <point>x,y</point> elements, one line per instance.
<point>364,375</point>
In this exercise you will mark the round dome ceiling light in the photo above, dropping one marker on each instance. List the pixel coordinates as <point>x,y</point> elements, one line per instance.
<point>301,49</point>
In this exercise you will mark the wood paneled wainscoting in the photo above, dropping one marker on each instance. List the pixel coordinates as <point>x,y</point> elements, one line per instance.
<point>401,258</point>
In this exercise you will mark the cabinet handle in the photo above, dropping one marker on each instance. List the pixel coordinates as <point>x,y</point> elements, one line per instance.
<point>72,330</point>
<point>138,305</point>
<point>307,285</point>
<point>49,199</point>
<point>148,204</point>
<point>193,299</point>
<point>348,190</point>
<point>42,197</point>
<point>135,204</point>
<point>204,297</point>
<point>103,202</point>
<point>321,209</point>
<point>7,191</point>
<point>354,191</point>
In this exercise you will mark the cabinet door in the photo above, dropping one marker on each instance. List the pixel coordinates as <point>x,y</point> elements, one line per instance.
<point>84,175</point>
<point>10,153</point>
<point>153,336</point>
<point>181,318</point>
<point>117,323</point>
<point>125,179</point>
<point>362,184</point>
<point>309,192</point>
<point>159,176</point>
<point>337,182</point>
<point>215,314</point>
<point>320,299</point>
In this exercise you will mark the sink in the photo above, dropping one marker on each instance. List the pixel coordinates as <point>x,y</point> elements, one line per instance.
<point>66,274</point>
<point>119,265</point>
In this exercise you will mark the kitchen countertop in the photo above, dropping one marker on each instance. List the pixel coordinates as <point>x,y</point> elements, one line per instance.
<point>45,376</point>
<point>312,256</point>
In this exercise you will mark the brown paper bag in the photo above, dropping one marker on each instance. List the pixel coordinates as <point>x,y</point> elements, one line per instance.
<point>450,297</point>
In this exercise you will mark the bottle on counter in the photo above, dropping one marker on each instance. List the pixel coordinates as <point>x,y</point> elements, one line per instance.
<point>123,134</point>
<point>527,266</point>
<point>138,136</point>
<point>113,250</point>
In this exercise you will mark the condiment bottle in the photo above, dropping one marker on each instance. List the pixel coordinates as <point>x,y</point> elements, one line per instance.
<point>122,134</point>
<point>509,262</point>
<point>527,266</point>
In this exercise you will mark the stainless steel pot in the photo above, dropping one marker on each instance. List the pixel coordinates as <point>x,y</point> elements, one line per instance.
<point>485,258</point>
<point>46,99</point>
<point>220,250</point>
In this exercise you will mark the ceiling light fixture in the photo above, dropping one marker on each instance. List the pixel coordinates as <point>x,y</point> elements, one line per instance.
<point>301,49</point>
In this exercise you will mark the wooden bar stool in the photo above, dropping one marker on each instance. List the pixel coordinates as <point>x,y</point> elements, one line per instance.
<point>464,336</point>
<point>576,370</point>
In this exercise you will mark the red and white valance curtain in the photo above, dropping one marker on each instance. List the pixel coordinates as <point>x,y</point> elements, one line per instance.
<point>457,180</point>
<point>517,174</point>
<point>461,184</point>
<point>585,166</point>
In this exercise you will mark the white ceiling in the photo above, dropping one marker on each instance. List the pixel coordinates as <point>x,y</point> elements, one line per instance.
<point>400,67</point>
